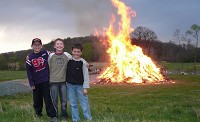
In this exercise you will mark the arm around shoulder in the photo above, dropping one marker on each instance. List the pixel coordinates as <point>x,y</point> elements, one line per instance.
<point>68,55</point>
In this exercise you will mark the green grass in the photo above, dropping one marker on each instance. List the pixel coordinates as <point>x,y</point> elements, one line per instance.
<point>12,75</point>
<point>178,102</point>
<point>188,67</point>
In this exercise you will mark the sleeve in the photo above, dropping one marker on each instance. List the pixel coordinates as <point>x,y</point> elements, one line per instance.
<point>49,52</point>
<point>84,61</point>
<point>29,71</point>
<point>68,55</point>
<point>49,58</point>
<point>86,76</point>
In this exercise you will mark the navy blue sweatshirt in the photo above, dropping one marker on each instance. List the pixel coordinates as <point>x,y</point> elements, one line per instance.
<point>37,67</point>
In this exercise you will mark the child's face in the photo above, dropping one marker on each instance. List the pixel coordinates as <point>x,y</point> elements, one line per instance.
<point>76,53</point>
<point>59,45</point>
<point>36,47</point>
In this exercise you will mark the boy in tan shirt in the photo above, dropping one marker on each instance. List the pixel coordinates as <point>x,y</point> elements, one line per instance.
<point>57,67</point>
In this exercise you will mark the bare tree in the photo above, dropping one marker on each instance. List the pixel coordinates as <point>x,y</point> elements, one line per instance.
<point>186,42</point>
<point>143,33</point>
<point>177,36</point>
<point>147,35</point>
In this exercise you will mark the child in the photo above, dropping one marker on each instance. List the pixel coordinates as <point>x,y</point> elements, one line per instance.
<point>77,84</point>
<point>38,76</point>
<point>57,67</point>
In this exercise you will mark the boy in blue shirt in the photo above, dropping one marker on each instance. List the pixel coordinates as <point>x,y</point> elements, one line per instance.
<point>38,75</point>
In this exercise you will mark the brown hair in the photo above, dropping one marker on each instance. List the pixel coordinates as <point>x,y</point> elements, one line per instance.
<point>77,46</point>
<point>58,39</point>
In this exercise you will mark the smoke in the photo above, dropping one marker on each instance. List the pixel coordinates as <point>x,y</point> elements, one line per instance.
<point>89,15</point>
<point>84,16</point>
<point>49,19</point>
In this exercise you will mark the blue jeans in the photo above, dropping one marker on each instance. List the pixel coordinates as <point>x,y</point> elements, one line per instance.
<point>75,93</point>
<point>61,89</point>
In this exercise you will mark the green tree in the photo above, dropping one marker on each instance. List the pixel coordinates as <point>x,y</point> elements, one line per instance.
<point>88,51</point>
<point>3,64</point>
<point>194,32</point>
<point>13,64</point>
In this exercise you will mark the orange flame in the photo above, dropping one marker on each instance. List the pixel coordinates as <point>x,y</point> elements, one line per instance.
<point>127,61</point>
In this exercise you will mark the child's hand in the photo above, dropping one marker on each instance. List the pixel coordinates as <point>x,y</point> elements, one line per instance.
<point>85,92</point>
<point>33,87</point>
<point>88,65</point>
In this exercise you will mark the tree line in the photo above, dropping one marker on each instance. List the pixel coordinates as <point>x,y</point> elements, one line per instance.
<point>95,50</point>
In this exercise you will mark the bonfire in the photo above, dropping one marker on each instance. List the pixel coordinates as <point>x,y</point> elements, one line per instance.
<point>128,64</point>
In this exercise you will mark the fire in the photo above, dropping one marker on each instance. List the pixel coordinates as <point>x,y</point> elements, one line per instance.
<point>127,62</point>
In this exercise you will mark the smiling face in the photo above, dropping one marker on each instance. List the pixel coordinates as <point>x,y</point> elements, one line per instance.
<point>59,46</point>
<point>36,47</point>
<point>76,53</point>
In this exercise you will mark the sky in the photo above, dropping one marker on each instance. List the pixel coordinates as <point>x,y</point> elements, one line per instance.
<point>23,20</point>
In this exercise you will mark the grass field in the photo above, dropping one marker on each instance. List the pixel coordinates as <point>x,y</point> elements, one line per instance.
<point>187,67</point>
<point>179,102</point>
<point>12,75</point>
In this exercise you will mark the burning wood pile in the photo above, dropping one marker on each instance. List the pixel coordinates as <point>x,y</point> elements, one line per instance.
<point>128,64</point>
<point>106,80</point>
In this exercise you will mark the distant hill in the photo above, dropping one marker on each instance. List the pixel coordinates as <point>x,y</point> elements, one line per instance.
<point>95,51</point>
<point>92,49</point>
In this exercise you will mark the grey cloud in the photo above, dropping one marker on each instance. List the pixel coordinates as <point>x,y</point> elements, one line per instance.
<point>82,15</point>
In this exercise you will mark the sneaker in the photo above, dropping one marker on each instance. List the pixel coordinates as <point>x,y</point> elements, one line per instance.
<point>53,119</point>
<point>63,120</point>
<point>38,115</point>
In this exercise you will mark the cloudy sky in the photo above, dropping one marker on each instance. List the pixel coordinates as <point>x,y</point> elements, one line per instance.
<point>23,20</point>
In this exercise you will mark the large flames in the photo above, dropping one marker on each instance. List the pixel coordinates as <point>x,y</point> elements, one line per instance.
<point>127,62</point>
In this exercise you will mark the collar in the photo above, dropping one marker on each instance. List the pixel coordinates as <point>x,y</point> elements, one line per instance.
<point>58,53</point>
<point>76,59</point>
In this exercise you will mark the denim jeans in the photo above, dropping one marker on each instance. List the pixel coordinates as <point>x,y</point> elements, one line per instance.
<point>75,93</point>
<point>61,89</point>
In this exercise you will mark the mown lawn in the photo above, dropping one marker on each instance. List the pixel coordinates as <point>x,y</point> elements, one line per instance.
<point>178,102</point>
<point>12,75</point>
